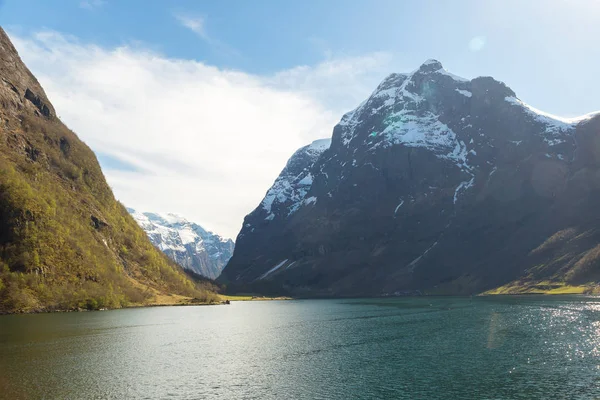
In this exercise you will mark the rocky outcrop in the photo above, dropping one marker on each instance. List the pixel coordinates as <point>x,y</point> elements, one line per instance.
<point>436,184</point>
<point>22,91</point>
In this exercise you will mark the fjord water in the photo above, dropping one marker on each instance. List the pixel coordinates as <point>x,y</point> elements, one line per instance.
<point>400,348</point>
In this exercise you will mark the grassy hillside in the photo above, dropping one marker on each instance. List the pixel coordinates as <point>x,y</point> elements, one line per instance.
<point>65,242</point>
<point>568,262</point>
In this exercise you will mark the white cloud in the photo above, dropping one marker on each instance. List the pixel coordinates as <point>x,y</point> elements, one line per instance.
<point>205,142</point>
<point>91,4</point>
<point>195,24</point>
<point>477,43</point>
<point>344,81</point>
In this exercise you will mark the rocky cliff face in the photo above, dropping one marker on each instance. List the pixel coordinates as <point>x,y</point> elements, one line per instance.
<point>65,242</point>
<point>186,243</point>
<point>434,184</point>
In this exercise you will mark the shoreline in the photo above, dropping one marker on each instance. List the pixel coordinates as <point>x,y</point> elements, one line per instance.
<point>178,302</point>
<point>550,288</point>
<point>247,298</point>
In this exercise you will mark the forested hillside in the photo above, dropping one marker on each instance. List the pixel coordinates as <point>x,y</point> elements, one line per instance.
<point>65,242</point>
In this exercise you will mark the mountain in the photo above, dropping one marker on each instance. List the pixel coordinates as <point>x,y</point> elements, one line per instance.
<point>435,184</point>
<point>186,243</point>
<point>65,242</point>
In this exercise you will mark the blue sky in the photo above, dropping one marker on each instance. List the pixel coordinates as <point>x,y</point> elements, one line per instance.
<point>537,46</point>
<point>317,58</point>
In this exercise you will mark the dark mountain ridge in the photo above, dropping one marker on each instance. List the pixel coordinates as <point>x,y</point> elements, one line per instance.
<point>435,184</point>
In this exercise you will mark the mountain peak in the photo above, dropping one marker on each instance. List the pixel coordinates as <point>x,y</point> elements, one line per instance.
<point>431,65</point>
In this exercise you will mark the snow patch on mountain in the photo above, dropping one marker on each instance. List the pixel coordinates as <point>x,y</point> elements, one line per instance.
<point>463,186</point>
<point>398,207</point>
<point>292,186</point>
<point>275,268</point>
<point>307,180</point>
<point>319,145</point>
<point>187,235</point>
<point>554,124</point>
<point>310,200</point>
<point>406,128</point>
<point>407,122</point>
<point>465,93</point>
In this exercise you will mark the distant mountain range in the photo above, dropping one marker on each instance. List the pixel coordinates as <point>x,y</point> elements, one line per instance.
<point>435,184</point>
<point>185,242</point>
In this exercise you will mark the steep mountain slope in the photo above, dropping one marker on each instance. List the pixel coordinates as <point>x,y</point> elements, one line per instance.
<point>64,240</point>
<point>185,242</point>
<point>434,184</point>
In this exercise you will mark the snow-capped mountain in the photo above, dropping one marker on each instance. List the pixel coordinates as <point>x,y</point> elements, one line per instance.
<point>435,183</point>
<point>185,242</point>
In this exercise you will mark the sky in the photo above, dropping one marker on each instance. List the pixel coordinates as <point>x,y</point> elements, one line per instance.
<point>194,106</point>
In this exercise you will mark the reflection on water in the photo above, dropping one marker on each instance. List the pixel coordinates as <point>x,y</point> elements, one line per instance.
<point>405,348</point>
<point>495,332</point>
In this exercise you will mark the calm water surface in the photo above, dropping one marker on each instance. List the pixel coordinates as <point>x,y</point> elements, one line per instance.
<point>407,348</point>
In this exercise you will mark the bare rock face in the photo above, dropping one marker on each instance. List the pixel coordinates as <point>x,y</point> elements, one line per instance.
<point>434,184</point>
<point>19,89</point>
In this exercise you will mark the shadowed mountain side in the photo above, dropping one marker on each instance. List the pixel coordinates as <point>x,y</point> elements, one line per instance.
<point>434,184</point>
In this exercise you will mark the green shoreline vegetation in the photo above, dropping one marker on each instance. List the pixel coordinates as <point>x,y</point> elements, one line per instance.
<point>156,300</point>
<point>251,297</point>
<point>544,287</point>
